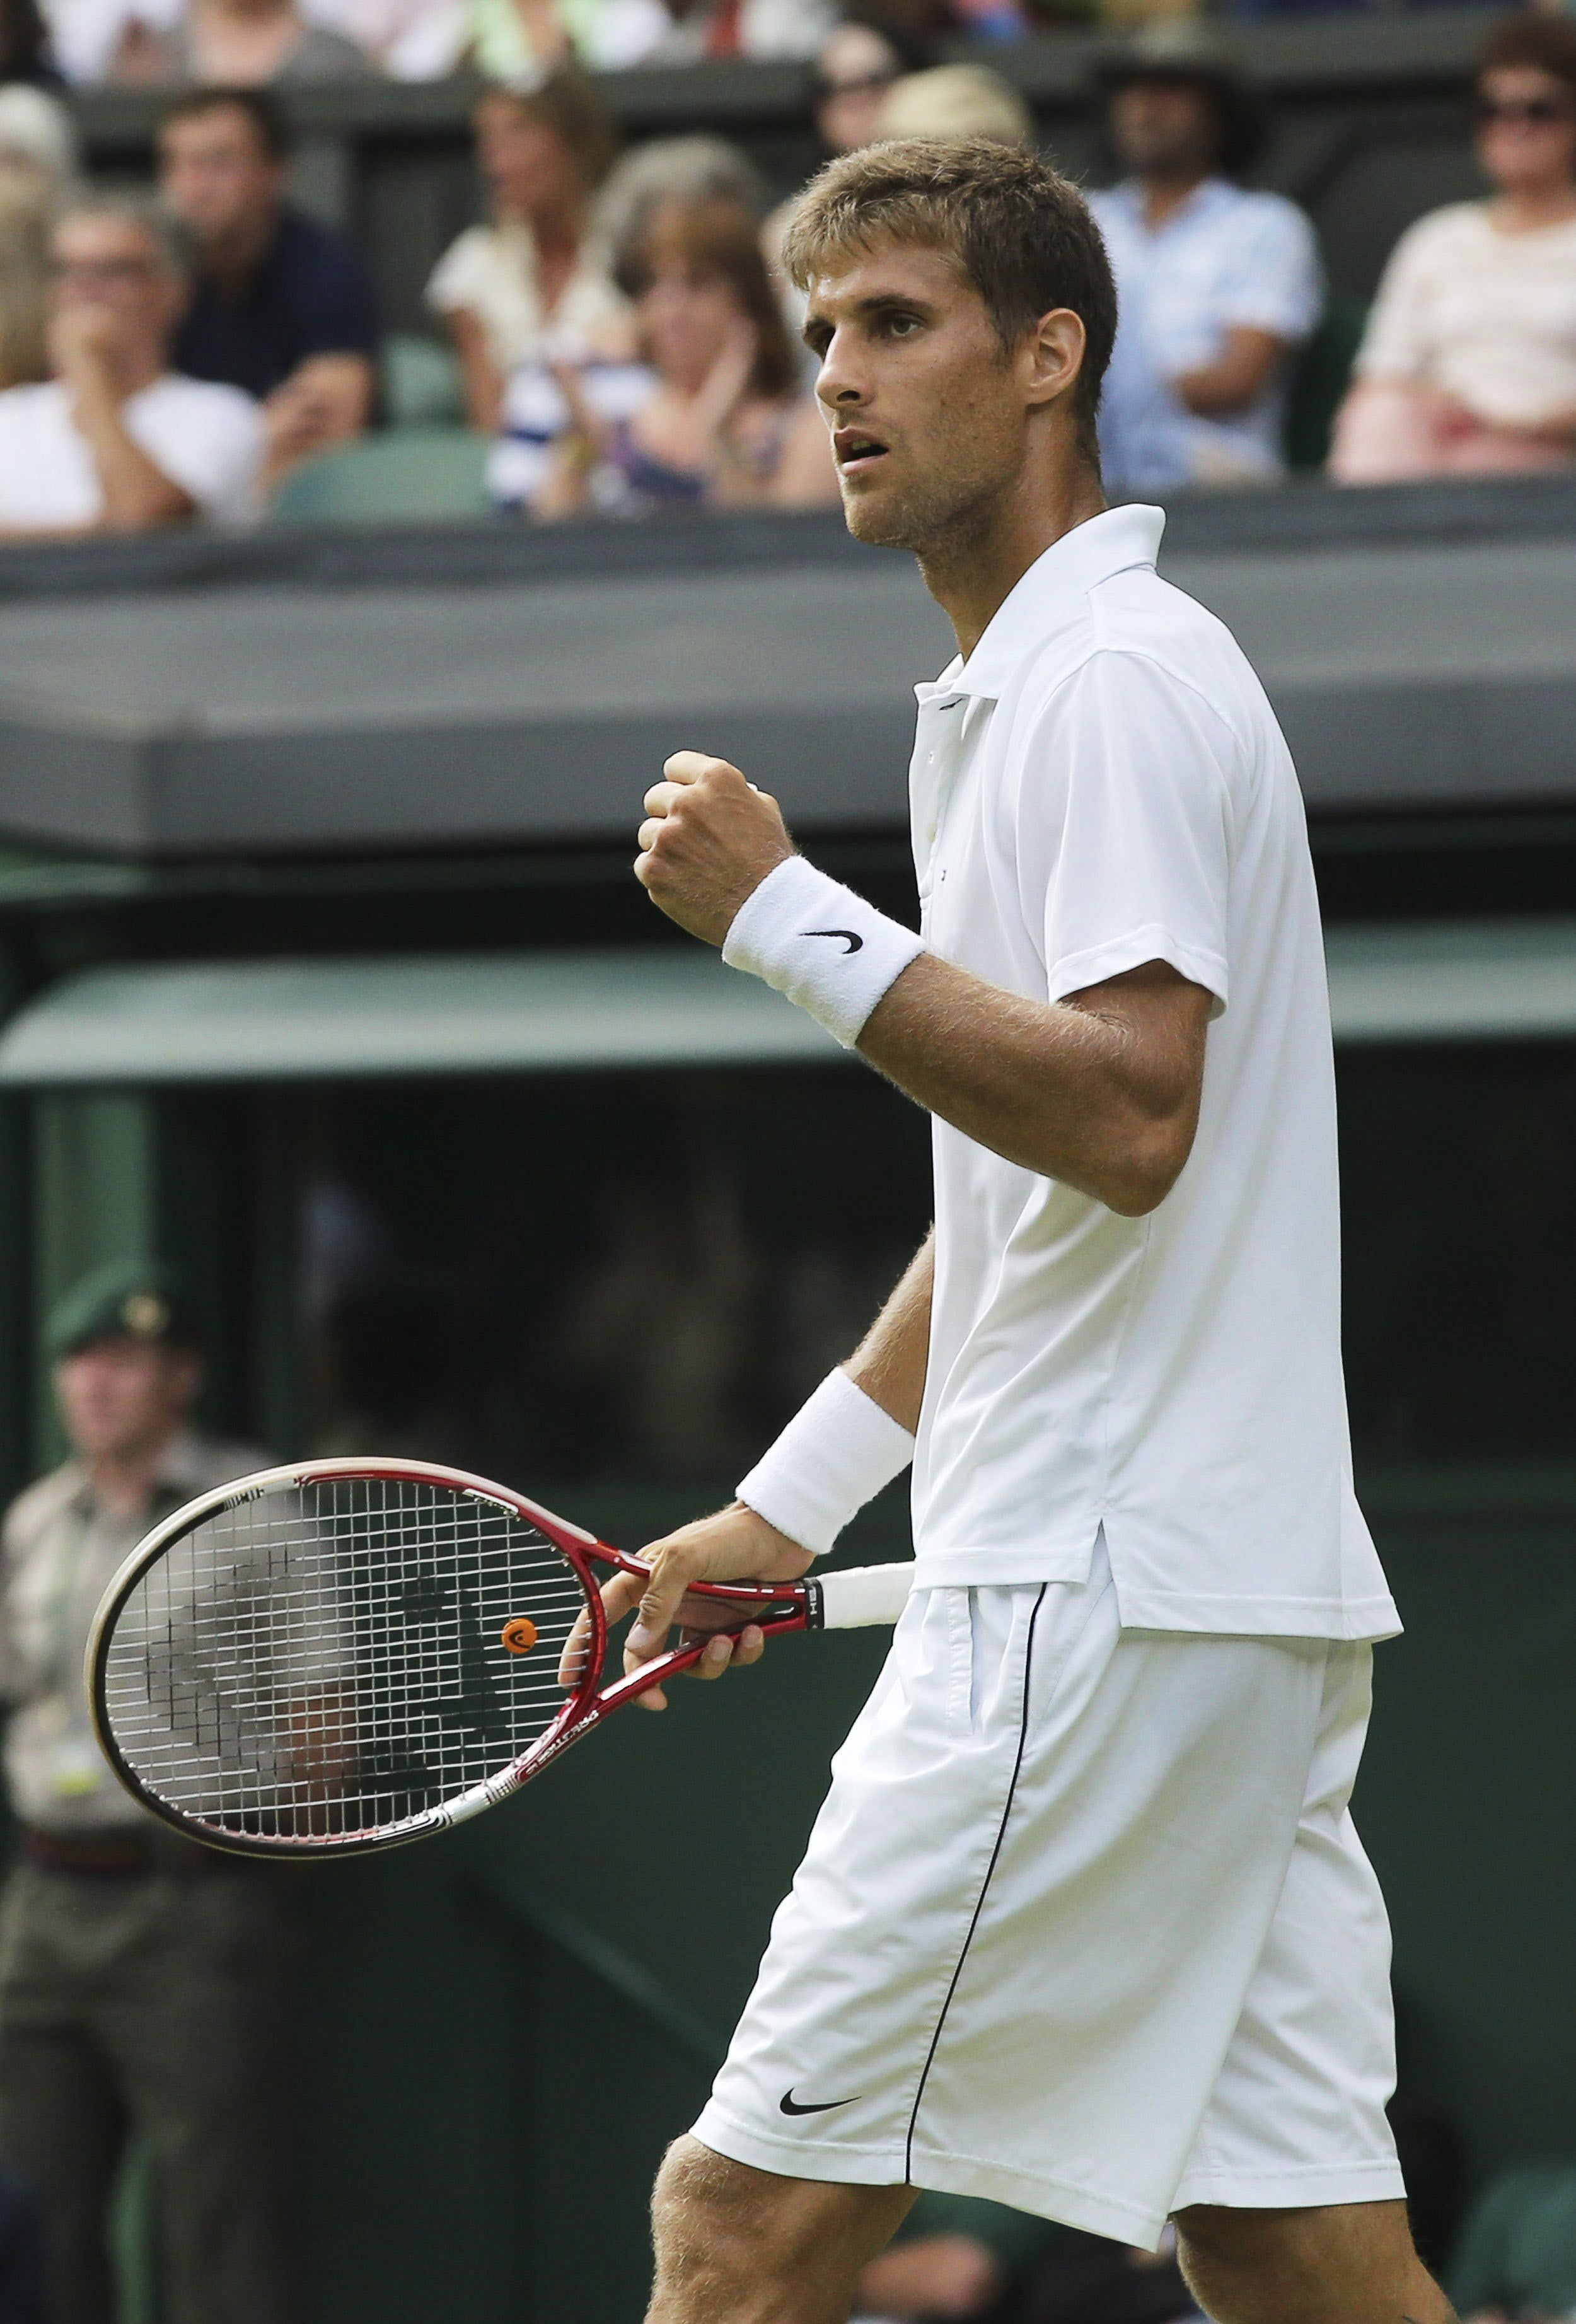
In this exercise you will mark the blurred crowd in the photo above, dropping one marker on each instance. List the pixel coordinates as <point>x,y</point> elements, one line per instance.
<point>616,328</point>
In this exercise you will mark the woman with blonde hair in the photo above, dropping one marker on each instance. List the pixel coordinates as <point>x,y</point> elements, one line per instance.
<point>713,414</point>
<point>534,277</point>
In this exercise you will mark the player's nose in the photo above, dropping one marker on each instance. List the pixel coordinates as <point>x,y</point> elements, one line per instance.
<point>838,383</point>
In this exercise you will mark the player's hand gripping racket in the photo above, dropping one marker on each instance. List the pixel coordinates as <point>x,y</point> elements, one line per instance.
<point>350,1654</point>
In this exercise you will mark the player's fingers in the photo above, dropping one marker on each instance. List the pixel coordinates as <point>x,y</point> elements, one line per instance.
<point>687,766</point>
<point>576,1648</point>
<point>663,798</point>
<point>617,1597</point>
<point>694,766</point>
<point>672,1569</point>
<point>726,1653</point>
<point>715,1660</point>
<point>649,834</point>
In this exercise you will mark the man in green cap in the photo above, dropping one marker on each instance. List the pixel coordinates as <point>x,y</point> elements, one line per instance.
<point>140,1975</point>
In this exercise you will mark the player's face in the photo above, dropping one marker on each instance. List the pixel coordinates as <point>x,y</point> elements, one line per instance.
<point>926,408</point>
<point>121,1397</point>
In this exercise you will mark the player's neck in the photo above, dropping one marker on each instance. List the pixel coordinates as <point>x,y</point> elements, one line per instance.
<point>976,567</point>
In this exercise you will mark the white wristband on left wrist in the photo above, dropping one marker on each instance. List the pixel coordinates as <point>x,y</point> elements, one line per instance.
<point>836,1453</point>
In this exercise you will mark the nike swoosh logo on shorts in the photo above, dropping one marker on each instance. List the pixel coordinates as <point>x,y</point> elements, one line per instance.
<point>855,943</point>
<point>788,2104</point>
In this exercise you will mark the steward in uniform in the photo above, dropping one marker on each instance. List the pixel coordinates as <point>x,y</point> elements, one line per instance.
<point>141,1976</point>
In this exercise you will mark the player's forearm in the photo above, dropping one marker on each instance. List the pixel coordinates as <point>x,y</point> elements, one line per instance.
<point>1071,1090</point>
<point>888,1363</point>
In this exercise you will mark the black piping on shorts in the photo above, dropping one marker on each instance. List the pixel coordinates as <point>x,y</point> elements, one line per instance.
<point>984,1888</point>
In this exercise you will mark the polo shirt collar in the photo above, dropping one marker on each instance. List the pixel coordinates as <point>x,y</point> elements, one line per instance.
<point>1104,545</point>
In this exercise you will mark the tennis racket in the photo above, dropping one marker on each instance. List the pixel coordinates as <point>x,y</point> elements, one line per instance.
<point>346,1655</point>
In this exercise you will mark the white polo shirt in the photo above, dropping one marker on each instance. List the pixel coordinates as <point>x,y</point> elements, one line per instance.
<point>1103,783</point>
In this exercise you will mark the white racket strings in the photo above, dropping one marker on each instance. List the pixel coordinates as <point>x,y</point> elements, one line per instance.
<point>326,1659</point>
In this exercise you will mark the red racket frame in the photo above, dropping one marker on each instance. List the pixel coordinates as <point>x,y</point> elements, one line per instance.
<point>798,1606</point>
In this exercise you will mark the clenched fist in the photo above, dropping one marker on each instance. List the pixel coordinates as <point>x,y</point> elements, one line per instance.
<point>708,841</point>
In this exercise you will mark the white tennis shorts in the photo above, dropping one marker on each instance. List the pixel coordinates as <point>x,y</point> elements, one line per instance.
<point>1085,1926</point>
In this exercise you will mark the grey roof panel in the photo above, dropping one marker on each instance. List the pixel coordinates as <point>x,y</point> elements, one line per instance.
<point>1409,673</point>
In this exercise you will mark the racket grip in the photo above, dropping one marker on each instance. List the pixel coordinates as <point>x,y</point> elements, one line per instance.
<point>862,1596</point>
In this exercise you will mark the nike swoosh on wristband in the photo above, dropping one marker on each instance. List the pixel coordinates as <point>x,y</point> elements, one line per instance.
<point>856,943</point>
<point>788,2104</point>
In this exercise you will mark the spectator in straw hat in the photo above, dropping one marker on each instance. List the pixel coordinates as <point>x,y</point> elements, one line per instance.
<point>1217,286</point>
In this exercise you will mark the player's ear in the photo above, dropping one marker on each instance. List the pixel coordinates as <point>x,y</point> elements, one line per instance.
<point>1054,352</point>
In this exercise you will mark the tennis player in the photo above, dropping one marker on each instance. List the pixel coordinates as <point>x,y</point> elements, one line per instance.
<point>1083,1926</point>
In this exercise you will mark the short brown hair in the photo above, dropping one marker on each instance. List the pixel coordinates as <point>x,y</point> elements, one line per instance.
<point>1543,43</point>
<point>257,106</point>
<point>1019,232</point>
<point>718,238</point>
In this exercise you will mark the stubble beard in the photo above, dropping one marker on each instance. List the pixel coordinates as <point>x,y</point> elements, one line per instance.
<point>936,521</point>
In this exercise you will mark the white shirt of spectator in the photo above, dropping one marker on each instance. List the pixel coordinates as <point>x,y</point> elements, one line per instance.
<point>1103,783</point>
<point>492,271</point>
<point>1225,259</point>
<point>207,438</point>
<point>1489,317</point>
<point>85,34</point>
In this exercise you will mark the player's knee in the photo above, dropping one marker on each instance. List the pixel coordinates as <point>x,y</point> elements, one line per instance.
<point>1287,2249</point>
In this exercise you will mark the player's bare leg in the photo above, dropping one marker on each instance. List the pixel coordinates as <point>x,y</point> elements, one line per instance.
<point>737,2245</point>
<point>1350,2264</point>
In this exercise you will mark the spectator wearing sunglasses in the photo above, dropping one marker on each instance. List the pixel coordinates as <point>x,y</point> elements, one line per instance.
<point>1469,366</point>
<point>858,62</point>
<point>855,66</point>
<point>117,440</point>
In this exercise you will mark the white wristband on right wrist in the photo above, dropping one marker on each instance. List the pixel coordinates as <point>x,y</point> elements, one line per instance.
<point>830,952</point>
<point>836,1453</point>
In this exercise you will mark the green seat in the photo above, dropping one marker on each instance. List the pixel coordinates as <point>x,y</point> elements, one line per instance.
<point>422,384</point>
<point>404,477</point>
<point>1320,381</point>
